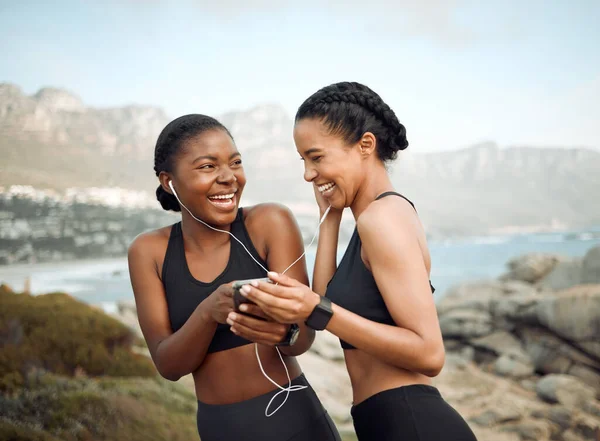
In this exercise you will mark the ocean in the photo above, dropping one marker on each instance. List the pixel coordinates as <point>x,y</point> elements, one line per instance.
<point>104,282</point>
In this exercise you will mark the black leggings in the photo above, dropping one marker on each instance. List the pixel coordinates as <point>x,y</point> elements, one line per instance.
<point>409,413</point>
<point>301,418</point>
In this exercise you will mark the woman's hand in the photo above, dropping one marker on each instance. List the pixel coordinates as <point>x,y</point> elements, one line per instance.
<point>221,303</point>
<point>254,325</point>
<point>286,301</point>
<point>324,205</point>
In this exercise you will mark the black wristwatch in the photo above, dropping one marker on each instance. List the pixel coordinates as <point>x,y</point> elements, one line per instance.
<point>292,336</point>
<point>321,315</point>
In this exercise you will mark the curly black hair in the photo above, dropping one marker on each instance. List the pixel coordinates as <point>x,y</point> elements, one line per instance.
<point>351,109</point>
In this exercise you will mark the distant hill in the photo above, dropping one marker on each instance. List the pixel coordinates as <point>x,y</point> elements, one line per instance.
<point>52,140</point>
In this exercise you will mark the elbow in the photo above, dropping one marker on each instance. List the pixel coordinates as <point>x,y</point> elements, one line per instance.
<point>170,376</point>
<point>168,373</point>
<point>433,363</point>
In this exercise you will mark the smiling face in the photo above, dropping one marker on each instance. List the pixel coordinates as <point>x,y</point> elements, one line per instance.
<point>208,177</point>
<point>336,168</point>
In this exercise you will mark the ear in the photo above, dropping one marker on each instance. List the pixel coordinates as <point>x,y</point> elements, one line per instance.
<point>164,179</point>
<point>367,144</point>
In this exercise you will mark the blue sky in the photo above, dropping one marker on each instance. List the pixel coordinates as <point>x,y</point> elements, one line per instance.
<point>455,72</point>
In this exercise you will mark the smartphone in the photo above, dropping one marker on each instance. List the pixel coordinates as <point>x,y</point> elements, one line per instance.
<point>238,298</point>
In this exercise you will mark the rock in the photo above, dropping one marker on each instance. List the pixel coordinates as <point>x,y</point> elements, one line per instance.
<point>465,323</point>
<point>590,271</point>
<point>453,345</point>
<point>514,365</point>
<point>550,354</point>
<point>590,347</point>
<point>509,311</point>
<point>587,375</point>
<point>499,342</point>
<point>328,346</point>
<point>573,314</point>
<point>570,435</point>
<point>534,430</point>
<point>564,389</point>
<point>468,353</point>
<point>456,361</point>
<point>517,287</point>
<point>528,383</point>
<point>530,267</point>
<point>478,295</point>
<point>592,407</point>
<point>558,414</point>
<point>485,434</point>
<point>498,415</point>
<point>470,295</point>
<point>564,275</point>
<point>587,427</point>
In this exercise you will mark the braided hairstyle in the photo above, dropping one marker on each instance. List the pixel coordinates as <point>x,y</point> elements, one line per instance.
<point>171,141</point>
<point>351,109</point>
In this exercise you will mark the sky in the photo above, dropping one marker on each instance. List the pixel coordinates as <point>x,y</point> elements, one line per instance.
<point>455,72</point>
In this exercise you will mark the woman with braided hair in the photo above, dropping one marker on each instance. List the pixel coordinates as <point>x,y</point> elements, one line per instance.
<point>181,277</point>
<point>378,301</point>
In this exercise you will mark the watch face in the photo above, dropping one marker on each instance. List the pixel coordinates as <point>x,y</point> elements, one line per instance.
<point>321,315</point>
<point>294,336</point>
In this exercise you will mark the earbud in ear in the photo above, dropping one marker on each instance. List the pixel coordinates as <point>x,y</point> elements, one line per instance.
<point>172,189</point>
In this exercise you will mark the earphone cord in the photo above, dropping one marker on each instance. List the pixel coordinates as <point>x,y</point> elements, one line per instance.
<point>289,388</point>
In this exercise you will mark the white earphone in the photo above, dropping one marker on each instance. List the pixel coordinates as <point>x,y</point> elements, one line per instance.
<point>289,388</point>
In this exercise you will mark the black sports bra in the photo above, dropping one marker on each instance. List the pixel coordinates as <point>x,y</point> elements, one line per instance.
<point>184,292</point>
<point>353,287</point>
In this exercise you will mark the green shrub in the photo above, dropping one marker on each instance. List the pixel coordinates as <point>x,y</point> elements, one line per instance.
<point>103,408</point>
<point>11,431</point>
<point>59,334</point>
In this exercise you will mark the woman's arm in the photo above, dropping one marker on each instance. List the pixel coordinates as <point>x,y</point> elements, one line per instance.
<point>283,244</point>
<point>389,236</point>
<point>329,231</point>
<point>326,259</point>
<point>180,353</point>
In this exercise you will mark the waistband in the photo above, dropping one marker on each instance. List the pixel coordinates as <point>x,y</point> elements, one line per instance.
<point>246,420</point>
<point>410,391</point>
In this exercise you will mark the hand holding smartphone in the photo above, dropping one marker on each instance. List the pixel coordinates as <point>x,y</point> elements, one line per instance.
<point>238,298</point>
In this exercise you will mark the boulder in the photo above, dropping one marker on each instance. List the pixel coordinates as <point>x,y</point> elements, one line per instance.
<point>478,295</point>
<point>551,354</point>
<point>498,342</point>
<point>573,314</point>
<point>530,267</point>
<point>465,323</point>
<point>515,365</point>
<point>564,389</point>
<point>565,274</point>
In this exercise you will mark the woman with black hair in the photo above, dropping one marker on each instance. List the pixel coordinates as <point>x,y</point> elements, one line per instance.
<point>378,301</point>
<point>182,281</point>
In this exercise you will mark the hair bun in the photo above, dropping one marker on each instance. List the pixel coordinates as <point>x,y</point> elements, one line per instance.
<point>167,200</point>
<point>401,142</point>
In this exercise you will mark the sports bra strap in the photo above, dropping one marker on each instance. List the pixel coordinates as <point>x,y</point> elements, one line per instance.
<point>393,193</point>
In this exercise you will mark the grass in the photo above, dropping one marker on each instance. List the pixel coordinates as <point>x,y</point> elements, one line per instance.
<point>69,372</point>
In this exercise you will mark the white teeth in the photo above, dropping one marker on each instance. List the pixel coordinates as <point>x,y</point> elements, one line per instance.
<point>324,188</point>
<point>223,196</point>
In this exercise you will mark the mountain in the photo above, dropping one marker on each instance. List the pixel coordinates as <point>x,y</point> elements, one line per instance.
<point>52,140</point>
<point>486,189</point>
